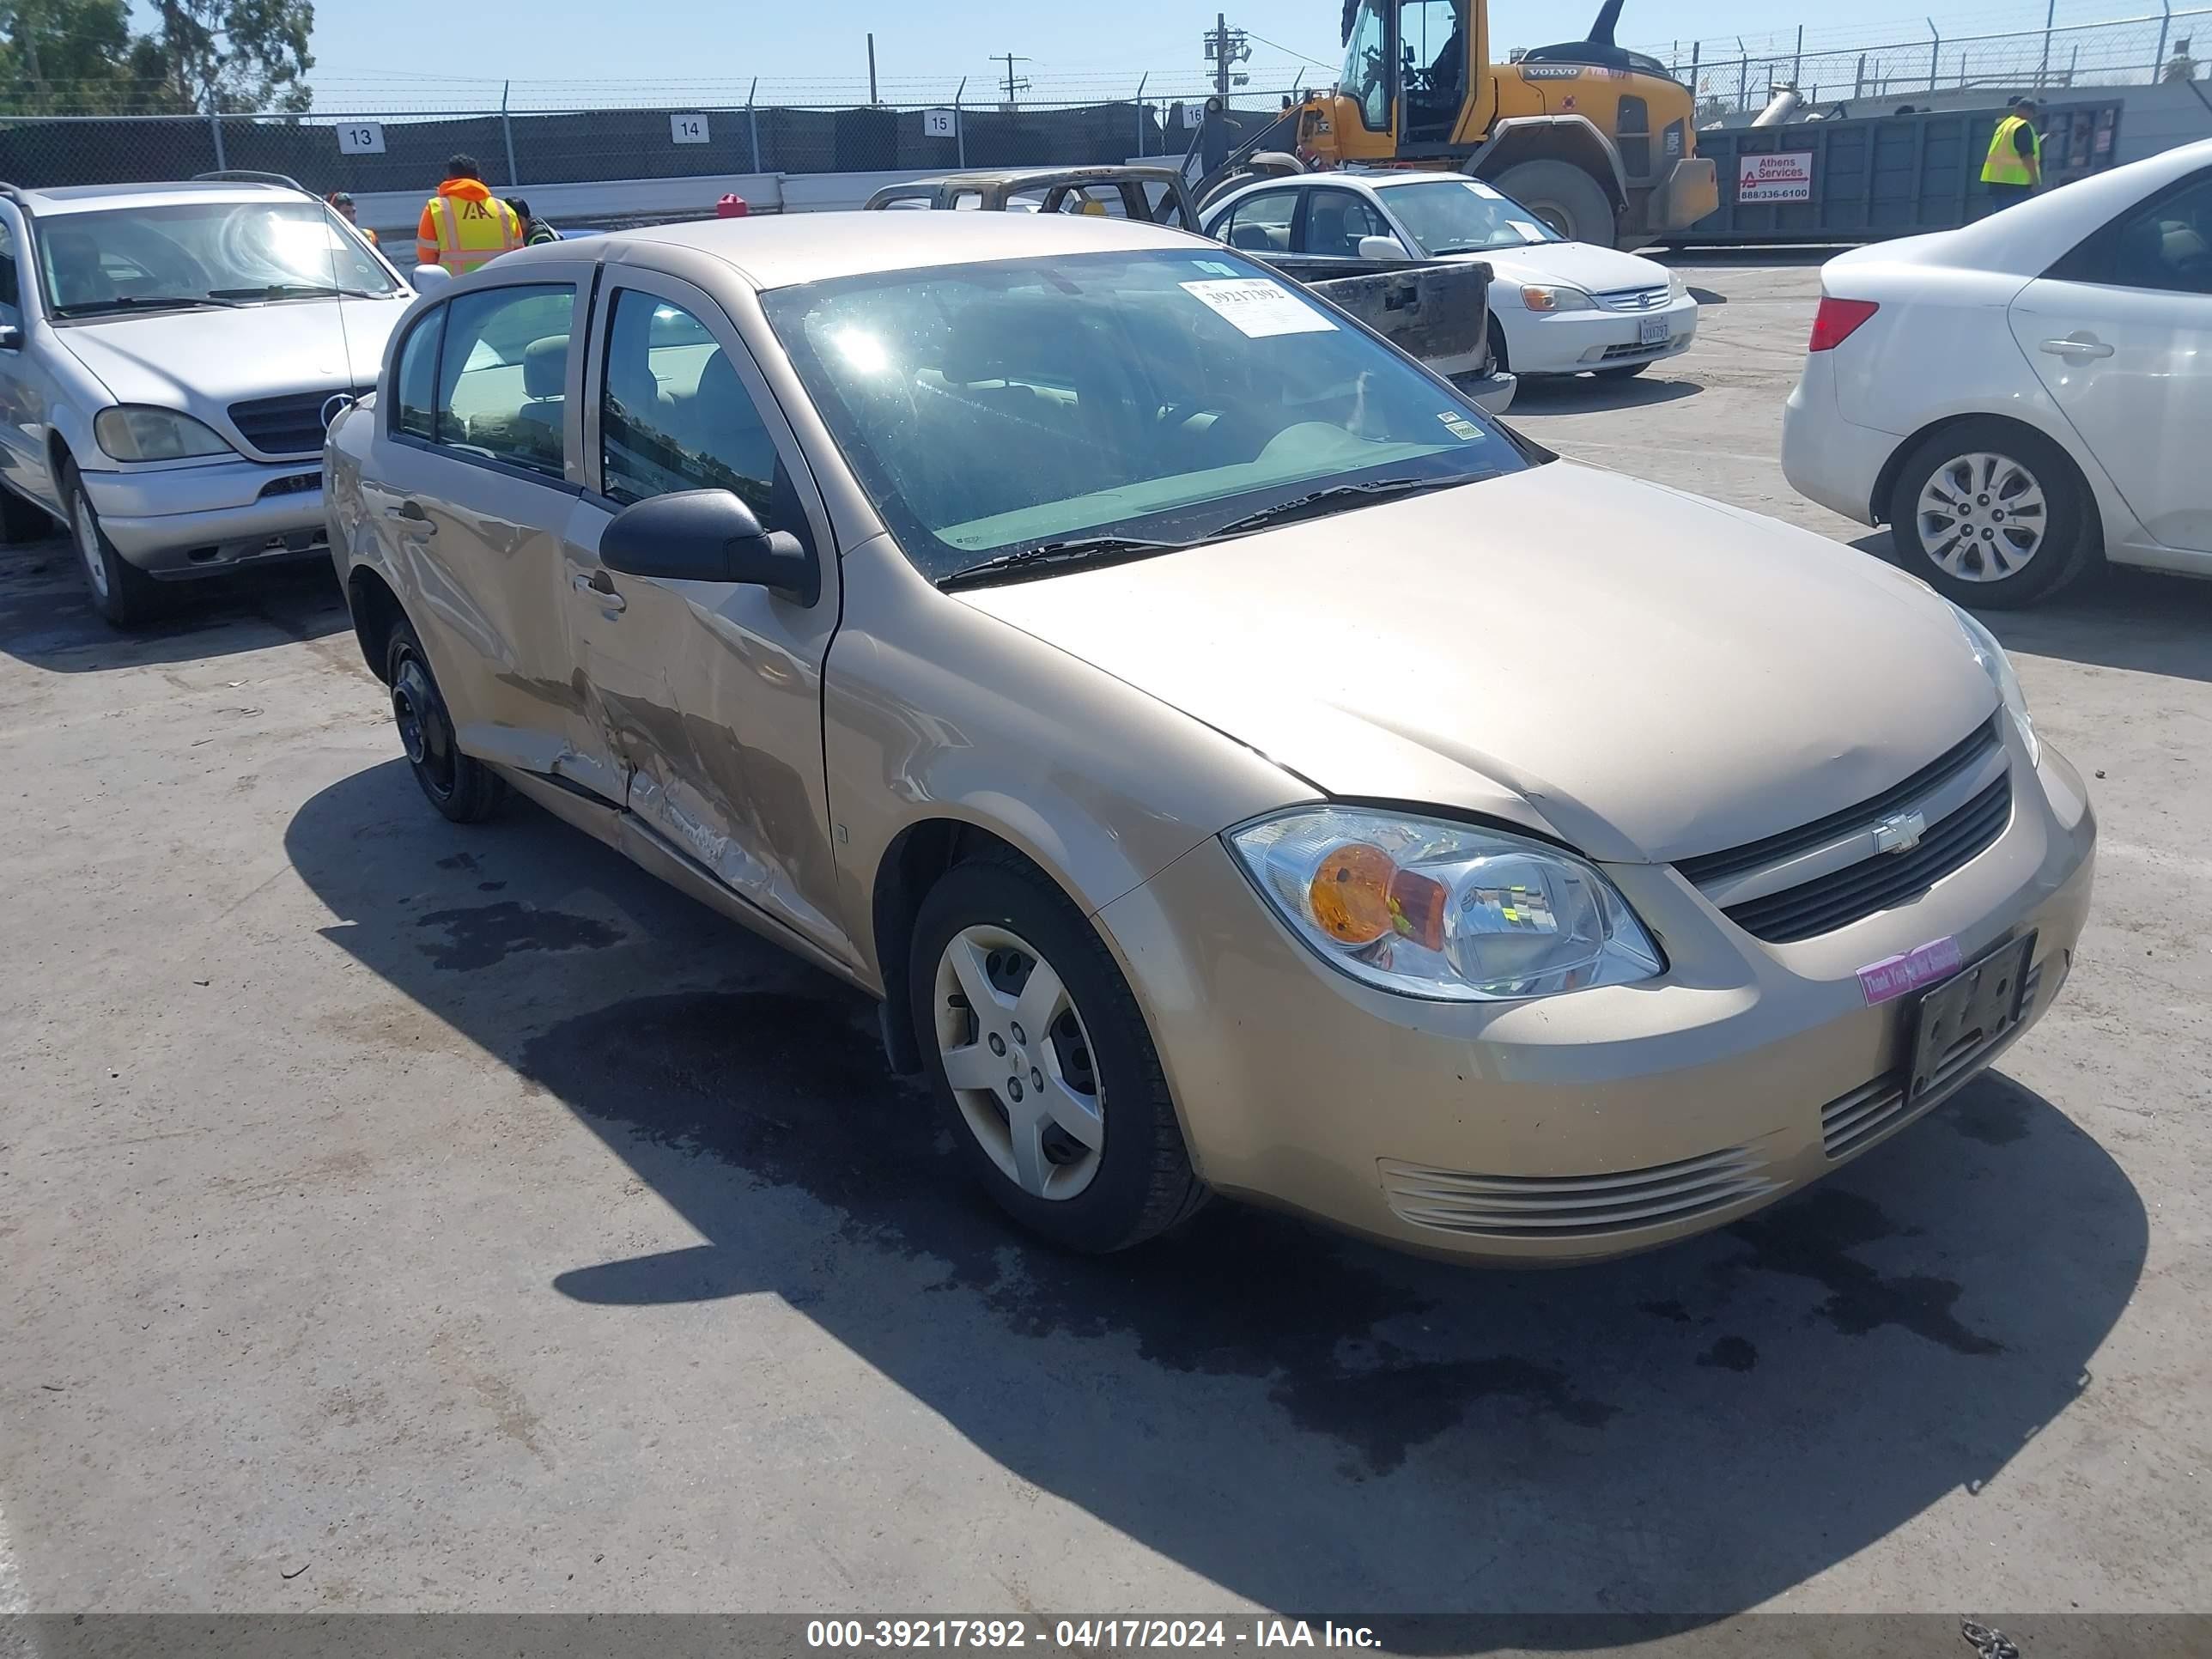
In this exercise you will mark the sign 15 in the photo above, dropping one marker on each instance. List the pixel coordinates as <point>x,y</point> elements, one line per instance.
<point>687,128</point>
<point>361,139</point>
<point>941,123</point>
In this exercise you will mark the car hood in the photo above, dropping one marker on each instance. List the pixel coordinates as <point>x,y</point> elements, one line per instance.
<point>202,362</point>
<point>1645,674</point>
<point>1578,264</point>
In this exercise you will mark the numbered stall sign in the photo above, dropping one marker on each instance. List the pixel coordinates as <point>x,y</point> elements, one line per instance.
<point>687,128</point>
<point>941,123</point>
<point>361,139</point>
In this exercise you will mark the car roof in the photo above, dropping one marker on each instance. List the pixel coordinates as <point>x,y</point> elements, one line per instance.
<point>783,249</point>
<point>80,198</point>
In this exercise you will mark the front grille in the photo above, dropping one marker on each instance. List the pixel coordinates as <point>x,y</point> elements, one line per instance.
<point>1552,1206</point>
<point>1633,299</point>
<point>291,425</point>
<point>1613,351</point>
<point>1873,884</point>
<point>298,484</point>
<point>1851,1122</point>
<point>1961,757</point>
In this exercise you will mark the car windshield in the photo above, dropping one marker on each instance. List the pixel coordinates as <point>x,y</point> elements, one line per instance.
<point>200,252</point>
<point>1162,395</point>
<point>1464,215</point>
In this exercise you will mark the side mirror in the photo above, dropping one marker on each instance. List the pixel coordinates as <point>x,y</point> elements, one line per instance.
<point>1385,250</point>
<point>429,277</point>
<point>708,535</point>
<point>11,338</point>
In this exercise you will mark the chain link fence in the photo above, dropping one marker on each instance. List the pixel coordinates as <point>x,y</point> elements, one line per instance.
<point>1738,77</point>
<point>374,151</point>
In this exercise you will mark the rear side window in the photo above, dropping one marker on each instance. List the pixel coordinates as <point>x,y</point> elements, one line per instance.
<point>1260,224</point>
<point>2165,244</point>
<point>415,382</point>
<point>504,376</point>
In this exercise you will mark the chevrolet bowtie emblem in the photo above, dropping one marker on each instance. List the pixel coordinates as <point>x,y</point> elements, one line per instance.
<point>1901,834</point>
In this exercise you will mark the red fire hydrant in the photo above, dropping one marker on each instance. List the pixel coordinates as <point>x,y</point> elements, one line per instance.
<point>732,207</point>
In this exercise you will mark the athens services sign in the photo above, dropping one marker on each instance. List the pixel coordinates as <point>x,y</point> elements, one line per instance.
<point>1785,178</point>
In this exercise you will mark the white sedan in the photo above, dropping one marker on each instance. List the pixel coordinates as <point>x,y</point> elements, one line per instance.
<point>2019,396</point>
<point>1556,306</point>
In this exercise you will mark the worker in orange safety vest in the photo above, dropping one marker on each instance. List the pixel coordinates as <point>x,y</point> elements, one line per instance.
<point>464,226</point>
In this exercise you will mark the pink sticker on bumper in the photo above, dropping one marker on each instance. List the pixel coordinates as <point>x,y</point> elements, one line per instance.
<point>1893,976</point>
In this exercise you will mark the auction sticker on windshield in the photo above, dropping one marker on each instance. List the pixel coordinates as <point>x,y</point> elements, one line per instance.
<point>1259,307</point>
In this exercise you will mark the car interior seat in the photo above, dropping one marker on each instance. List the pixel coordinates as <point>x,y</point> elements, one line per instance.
<point>544,387</point>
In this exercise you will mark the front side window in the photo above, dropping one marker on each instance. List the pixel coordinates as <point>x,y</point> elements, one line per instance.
<point>674,415</point>
<point>1336,220</point>
<point>503,376</point>
<point>1463,215</point>
<point>415,379</point>
<point>181,255</point>
<point>1367,65</point>
<point>1261,223</point>
<point>1164,394</point>
<point>11,297</point>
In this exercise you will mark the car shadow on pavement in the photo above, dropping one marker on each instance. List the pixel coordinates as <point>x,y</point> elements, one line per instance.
<point>1580,394</point>
<point>2118,617</point>
<point>1304,1420</point>
<point>46,618</point>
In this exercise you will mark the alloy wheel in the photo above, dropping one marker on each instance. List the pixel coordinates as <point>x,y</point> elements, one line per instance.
<point>1982,517</point>
<point>1019,1061</point>
<point>85,532</point>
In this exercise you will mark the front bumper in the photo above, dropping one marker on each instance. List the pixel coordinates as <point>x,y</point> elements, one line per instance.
<point>1745,1072</point>
<point>180,522</point>
<point>1571,342</point>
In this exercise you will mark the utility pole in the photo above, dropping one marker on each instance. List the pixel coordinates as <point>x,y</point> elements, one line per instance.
<point>1225,49</point>
<point>873,99</point>
<point>1013,85</point>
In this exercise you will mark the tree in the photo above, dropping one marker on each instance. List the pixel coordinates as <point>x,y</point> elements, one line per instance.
<point>66,54</point>
<point>242,55</point>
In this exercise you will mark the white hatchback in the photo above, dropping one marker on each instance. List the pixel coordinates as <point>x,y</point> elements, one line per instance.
<point>1556,306</point>
<point>2019,396</point>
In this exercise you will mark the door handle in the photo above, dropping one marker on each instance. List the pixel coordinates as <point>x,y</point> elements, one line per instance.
<point>599,586</point>
<point>2081,344</point>
<point>417,523</point>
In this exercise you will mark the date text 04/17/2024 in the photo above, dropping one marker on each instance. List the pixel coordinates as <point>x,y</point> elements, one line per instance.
<point>1085,1635</point>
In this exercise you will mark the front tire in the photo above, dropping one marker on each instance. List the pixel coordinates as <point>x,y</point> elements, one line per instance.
<point>1564,196</point>
<point>1041,1064</point>
<point>120,592</point>
<point>460,786</point>
<point>1992,514</point>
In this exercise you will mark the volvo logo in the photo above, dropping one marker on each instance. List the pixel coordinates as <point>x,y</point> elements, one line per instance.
<point>1901,834</point>
<point>335,405</point>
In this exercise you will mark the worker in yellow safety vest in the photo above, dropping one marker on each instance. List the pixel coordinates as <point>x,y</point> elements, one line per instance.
<point>2015,166</point>
<point>464,226</point>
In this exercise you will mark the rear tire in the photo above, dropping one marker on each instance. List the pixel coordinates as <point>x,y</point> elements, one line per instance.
<point>1991,513</point>
<point>1107,1168</point>
<point>460,786</point>
<point>1564,196</point>
<point>125,595</point>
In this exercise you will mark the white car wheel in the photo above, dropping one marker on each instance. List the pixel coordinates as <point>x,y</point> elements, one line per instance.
<point>84,531</point>
<point>1983,517</point>
<point>1019,1062</point>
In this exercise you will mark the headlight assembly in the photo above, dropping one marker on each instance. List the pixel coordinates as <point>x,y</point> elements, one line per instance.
<point>1431,908</point>
<point>134,432</point>
<point>1998,667</point>
<point>1542,297</point>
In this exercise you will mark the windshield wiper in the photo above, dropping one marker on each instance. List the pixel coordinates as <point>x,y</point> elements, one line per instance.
<point>1049,556</point>
<point>1310,506</point>
<point>144,303</point>
<point>291,291</point>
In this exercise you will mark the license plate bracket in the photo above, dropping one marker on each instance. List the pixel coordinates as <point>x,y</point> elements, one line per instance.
<point>1967,1012</point>
<point>1652,330</point>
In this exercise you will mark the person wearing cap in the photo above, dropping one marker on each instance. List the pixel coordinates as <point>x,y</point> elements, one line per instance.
<point>342,202</point>
<point>534,230</point>
<point>2014,165</point>
<point>464,226</point>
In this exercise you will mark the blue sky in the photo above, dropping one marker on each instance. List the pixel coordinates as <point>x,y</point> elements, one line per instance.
<point>433,54</point>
